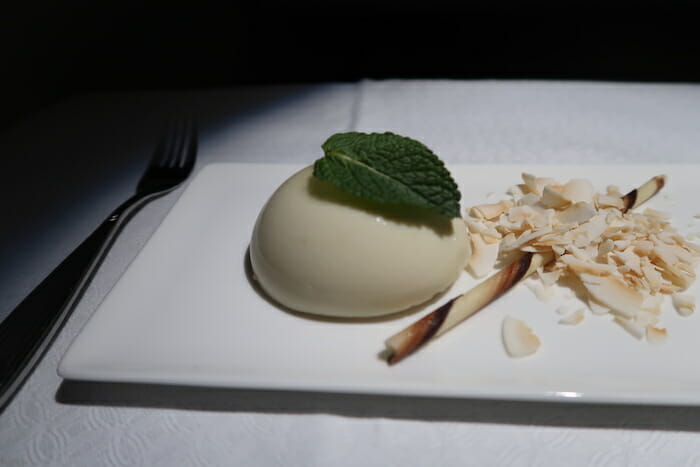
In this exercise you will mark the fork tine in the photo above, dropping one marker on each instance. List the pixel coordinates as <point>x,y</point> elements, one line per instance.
<point>178,141</point>
<point>162,153</point>
<point>178,146</point>
<point>190,146</point>
<point>171,137</point>
<point>183,150</point>
<point>173,159</point>
<point>182,154</point>
<point>159,152</point>
<point>181,141</point>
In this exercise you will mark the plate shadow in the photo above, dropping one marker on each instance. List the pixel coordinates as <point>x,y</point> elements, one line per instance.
<point>553,414</point>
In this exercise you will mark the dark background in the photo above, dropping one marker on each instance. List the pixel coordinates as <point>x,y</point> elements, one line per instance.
<point>49,51</point>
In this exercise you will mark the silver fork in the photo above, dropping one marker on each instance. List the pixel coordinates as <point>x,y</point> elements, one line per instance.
<point>30,328</point>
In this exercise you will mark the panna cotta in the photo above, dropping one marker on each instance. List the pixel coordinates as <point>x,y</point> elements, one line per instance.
<point>320,250</point>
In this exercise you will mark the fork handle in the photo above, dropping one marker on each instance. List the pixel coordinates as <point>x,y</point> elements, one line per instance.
<point>28,331</point>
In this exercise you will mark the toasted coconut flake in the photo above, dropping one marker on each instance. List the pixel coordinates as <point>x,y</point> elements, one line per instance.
<point>491,211</point>
<point>593,229</point>
<point>612,293</point>
<point>518,338</point>
<point>533,249</point>
<point>655,335</point>
<point>530,199</point>
<point>522,215</point>
<point>660,215</point>
<point>646,318</point>
<point>558,250</point>
<point>576,213</point>
<point>517,219</point>
<point>578,253</point>
<point>487,231</point>
<point>643,247</point>
<point>527,237</point>
<point>627,261</point>
<point>606,201</point>
<point>484,256</point>
<point>653,277</point>
<point>536,184</point>
<point>683,303</point>
<point>515,191</point>
<point>542,292</point>
<point>622,244</point>
<point>652,303</point>
<point>551,198</point>
<point>578,190</point>
<point>574,318</point>
<point>549,278</point>
<point>605,247</point>
<point>580,266</point>
<point>630,326</point>
<point>673,272</point>
<point>542,220</point>
<point>596,307</point>
<point>530,182</point>
<point>613,190</point>
<point>669,289</point>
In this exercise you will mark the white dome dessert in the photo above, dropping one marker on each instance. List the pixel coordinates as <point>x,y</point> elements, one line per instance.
<point>317,249</point>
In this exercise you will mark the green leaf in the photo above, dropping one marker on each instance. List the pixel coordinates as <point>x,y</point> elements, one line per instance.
<point>388,168</point>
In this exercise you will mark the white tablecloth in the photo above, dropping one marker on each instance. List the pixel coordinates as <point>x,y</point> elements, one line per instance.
<point>65,168</point>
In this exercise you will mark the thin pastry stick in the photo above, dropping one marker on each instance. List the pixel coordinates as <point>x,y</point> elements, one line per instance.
<point>463,306</point>
<point>642,194</point>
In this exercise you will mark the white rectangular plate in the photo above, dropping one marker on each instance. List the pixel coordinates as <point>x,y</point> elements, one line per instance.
<point>185,313</point>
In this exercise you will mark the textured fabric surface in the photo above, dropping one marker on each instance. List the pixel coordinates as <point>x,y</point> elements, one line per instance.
<point>53,423</point>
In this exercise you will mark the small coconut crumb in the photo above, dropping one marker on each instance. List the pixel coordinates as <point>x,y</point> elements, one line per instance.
<point>518,338</point>
<point>683,303</point>
<point>656,336</point>
<point>631,327</point>
<point>542,292</point>
<point>515,191</point>
<point>577,213</point>
<point>574,318</point>
<point>646,318</point>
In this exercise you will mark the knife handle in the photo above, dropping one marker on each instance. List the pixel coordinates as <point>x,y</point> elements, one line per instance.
<point>28,331</point>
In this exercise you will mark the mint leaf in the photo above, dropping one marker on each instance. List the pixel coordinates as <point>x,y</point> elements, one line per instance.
<point>388,168</point>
